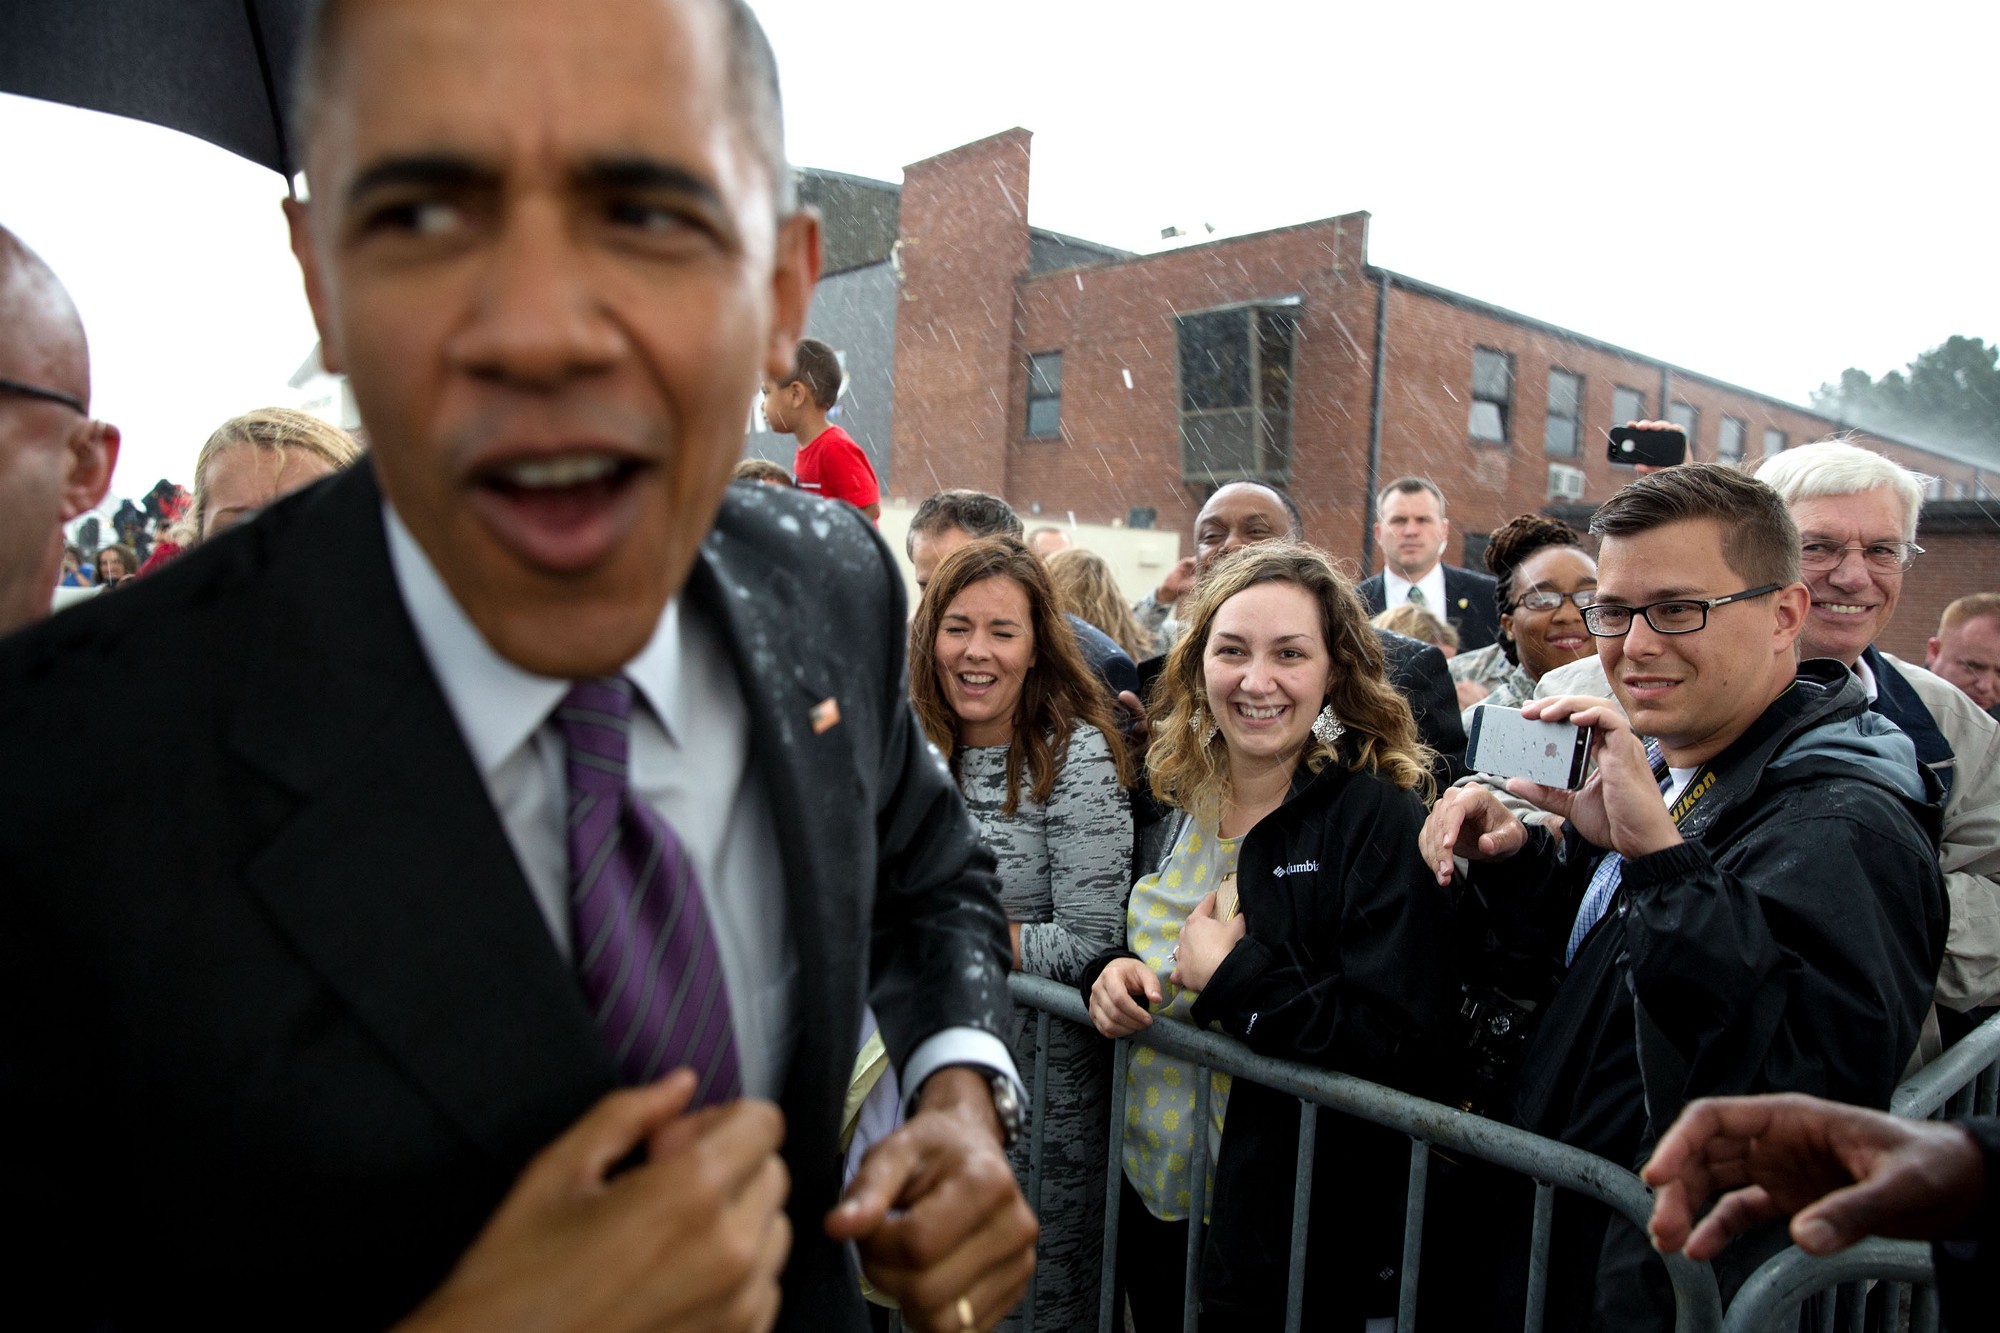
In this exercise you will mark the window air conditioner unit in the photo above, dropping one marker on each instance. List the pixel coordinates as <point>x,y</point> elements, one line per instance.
<point>1565,482</point>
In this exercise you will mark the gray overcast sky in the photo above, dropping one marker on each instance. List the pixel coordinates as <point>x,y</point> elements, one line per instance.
<point>1764,192</point>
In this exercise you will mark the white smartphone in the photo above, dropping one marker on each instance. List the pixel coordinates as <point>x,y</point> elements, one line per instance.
<point>1503,743</point>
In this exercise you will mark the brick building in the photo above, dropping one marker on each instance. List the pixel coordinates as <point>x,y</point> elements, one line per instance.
<point>1123,388</point>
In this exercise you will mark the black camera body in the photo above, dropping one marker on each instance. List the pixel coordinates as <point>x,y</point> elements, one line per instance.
<point>1495,1028</point>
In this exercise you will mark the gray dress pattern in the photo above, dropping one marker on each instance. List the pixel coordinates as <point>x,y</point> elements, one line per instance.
<point>1065,869</point>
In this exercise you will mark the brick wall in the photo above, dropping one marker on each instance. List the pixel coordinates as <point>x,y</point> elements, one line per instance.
<point>1120,442</point>
<point>1961,541</point>
<point>963,241</point>
<point>970,315</point>
<point>1426,409</point>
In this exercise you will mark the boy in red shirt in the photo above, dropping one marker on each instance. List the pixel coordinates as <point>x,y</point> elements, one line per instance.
<point>829,463</point>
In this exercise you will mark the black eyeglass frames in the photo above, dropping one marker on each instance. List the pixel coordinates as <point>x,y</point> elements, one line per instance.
<point>1679,615</point>
<point>47,395</point>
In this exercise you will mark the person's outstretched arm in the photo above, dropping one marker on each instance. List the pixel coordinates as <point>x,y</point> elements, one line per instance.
<point>1839,1172</point>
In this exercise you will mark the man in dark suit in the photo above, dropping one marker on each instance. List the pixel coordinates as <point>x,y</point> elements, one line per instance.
<point>509,775</point>
<point>1411,529</point>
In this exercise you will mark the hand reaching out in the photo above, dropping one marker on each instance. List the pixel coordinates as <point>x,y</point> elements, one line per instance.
<point>1178,582</point>
<point>1470,822</point>
<point>1119,998</point>
<point>1840,1172</point>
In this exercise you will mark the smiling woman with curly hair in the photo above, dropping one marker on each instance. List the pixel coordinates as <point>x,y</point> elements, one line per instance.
<point>1294,913</point>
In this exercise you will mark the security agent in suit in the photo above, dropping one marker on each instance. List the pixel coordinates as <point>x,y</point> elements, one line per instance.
<point>1411,528</point>
<point>298,1038</point>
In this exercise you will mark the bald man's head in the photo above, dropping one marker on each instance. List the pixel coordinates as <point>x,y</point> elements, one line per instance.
<point>41,335</point>
<point>55,462</point>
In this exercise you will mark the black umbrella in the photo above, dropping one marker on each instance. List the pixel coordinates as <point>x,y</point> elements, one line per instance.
<point>220,70</point>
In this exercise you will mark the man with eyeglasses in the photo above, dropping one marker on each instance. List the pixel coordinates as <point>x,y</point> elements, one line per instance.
<point>1749,904</point>
<point>1856,513</point>
<point>55,462</point>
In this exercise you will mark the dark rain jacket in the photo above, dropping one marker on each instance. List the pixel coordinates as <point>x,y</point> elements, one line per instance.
<point>1344,965</point>
<point>1791,944</point>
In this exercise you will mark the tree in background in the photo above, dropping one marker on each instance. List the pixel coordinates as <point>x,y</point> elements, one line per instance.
<point>1949,396</point>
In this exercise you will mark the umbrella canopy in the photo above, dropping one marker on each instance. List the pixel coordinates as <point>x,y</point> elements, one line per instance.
<point>220,70</point>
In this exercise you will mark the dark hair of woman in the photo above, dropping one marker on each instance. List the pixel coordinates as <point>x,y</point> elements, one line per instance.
<point>1511,545</point>
<point>1059,692</point>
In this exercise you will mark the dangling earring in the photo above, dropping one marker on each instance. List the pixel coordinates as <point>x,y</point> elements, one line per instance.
<point>1195,721</point>
<point>1327,727</point>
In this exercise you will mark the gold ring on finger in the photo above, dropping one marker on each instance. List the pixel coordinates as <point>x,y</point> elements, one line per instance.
<point>965,1321</point>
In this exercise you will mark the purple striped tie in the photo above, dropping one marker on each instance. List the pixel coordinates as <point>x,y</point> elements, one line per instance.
<point>640,934</point>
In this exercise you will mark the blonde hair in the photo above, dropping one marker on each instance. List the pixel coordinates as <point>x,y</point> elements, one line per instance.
<point>1969,607</point>
<point>1412,621</point>
<point>273,429</point>
<point>1085,588</point>
<point>1191,772</point>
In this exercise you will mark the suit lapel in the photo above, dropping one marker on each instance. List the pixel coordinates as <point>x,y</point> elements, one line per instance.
<point>762,612</point>
<point>392,874</point>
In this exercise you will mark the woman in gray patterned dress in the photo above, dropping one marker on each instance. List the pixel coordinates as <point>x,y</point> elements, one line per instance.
<point>1004,695</point>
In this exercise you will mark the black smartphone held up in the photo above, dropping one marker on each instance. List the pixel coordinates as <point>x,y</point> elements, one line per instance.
<point>1655,446</point>
<point>1505,744</point>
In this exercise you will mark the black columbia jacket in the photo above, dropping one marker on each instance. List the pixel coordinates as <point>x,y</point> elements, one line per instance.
<point>1345,965</point>
<point>1790,944</point>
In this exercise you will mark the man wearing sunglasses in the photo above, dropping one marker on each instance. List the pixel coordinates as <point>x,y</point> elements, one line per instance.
<point>55,462</point>
<point>1751,903</point>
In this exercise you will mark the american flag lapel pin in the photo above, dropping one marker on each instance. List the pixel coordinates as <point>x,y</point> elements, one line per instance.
<point>825,715</point>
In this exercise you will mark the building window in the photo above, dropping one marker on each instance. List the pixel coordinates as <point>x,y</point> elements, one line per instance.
<point>1045,395</point>
<point>1774,443</point>
<point>1683,415</point>
<point>1729,442</point>
<point>1627,405</point>
<point>1236,393</point>
<point>1565,406</point>
<point>1492,394</point>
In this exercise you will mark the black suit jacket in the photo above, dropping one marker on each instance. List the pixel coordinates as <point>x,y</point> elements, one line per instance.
<point>1418,671</point>
<point>1472,611</point>
<point>279,1020</point>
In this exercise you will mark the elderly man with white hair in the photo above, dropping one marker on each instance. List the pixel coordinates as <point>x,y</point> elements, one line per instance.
<point>1856,513</point>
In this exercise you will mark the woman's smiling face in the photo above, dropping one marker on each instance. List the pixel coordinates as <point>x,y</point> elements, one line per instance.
<point>1545,640</point>
<point>1266,671</point>
<point>985,648</point>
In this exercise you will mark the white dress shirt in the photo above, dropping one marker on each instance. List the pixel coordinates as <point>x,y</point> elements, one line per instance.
<point>689,760</point>
<point>1396,589</point>
<point>1861,669</point>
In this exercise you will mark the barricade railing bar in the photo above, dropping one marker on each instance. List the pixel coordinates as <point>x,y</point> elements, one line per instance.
<point>1964,1080</point>
<point>1551,1165</point>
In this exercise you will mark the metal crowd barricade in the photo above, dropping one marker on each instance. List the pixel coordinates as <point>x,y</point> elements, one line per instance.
<point>1840,1289</point>
<point>1550,1164</point>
